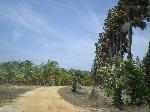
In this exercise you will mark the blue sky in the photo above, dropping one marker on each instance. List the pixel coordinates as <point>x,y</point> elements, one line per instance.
<point>61,30</point>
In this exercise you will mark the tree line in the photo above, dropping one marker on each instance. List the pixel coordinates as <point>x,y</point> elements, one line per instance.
<point>28,73</point>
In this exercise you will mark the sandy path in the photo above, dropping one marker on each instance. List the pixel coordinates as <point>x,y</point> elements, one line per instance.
<point>43,99</point>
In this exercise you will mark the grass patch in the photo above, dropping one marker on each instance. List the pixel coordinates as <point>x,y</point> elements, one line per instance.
<point>82,98</point>
<point>99,103</point>
<point>9,92</point>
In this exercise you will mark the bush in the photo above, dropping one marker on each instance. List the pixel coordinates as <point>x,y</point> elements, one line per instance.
<point>135,83</point>
<point>114,79</point>
<point>146,64</point>
<point>124,75</point>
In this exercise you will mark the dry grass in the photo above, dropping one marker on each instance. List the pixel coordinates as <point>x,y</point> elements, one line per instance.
<point>8,92</point>
<point>83,99</point>
<point>99,103</point>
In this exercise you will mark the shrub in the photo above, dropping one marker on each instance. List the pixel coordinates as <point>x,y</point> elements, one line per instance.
<point>114,78</point>
<point>146,63</point>
<point>135,83</point>
<point>124,75</point>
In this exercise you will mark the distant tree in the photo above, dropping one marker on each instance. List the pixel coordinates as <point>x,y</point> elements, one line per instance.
<point>25,72</point>
<point>73,77</point>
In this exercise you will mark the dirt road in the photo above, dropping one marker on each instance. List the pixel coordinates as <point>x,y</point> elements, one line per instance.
<point>43,99</point>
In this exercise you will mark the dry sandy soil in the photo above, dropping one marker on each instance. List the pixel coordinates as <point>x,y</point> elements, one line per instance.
<point>43,99</point>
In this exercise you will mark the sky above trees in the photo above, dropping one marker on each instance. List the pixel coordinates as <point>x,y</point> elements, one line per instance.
<point>61,30</point>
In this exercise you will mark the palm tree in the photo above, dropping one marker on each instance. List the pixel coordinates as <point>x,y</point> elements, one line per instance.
<point>136,12</point>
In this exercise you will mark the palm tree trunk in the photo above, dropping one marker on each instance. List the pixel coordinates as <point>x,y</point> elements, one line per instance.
<point>113,45</point>
<point>117,43</point>
<point>120,50</point>
<point>129,36</point>
<point>130,41</point>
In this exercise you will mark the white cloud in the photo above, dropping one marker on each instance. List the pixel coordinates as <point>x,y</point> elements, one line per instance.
<point>26,17</point>
<point>46,45</point>
<point>87,16</point>
<point>89,19</point>
<point>93,20</point>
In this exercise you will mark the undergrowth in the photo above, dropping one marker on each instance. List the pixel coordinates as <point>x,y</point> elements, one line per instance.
<point>97,103</point>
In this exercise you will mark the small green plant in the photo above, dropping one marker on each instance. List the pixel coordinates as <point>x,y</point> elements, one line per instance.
<point>114,79</point>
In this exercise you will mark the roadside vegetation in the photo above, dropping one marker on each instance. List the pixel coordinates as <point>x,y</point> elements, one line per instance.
<point>100,102</point>
<point>8,93</point>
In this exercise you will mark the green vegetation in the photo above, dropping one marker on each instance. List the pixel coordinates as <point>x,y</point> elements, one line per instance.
<point>27,73</point>
<point>125,76</point>
<point>8,93</point>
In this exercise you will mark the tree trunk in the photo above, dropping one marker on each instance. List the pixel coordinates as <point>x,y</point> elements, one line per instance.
<point>93,84</point>
<point>73,88</point>
<point>113,45</point>
<point>117,43</point>
<point>129,35</point>
<point>130,41</point>
<point>121,53</point>
<point>118,102</point>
